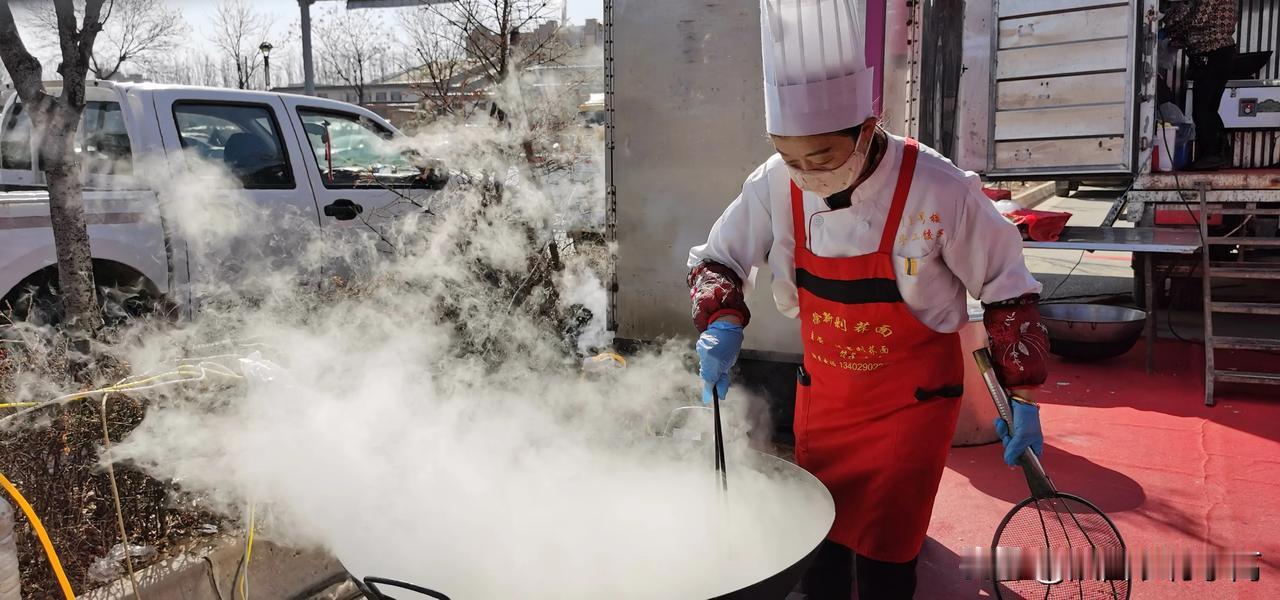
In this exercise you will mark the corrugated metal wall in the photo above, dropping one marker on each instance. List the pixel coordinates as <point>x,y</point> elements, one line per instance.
<point>1257,29</point>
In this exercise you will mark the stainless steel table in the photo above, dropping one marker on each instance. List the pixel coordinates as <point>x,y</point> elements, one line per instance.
<point>1144,241</point>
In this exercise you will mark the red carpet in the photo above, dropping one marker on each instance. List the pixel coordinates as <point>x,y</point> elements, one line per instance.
<point>1169,471</point>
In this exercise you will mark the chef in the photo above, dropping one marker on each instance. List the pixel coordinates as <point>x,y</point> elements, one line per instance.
<point>873,241</point>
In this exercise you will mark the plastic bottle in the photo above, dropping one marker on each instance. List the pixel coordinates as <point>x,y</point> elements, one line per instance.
<point>10,586</point>
<point>1166,142</point>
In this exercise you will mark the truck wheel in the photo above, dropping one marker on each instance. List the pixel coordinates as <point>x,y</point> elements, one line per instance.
<point>36,301</point>
<point>1064,188</point>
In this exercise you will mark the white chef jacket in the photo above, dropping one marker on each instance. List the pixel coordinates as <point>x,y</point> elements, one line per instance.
<point>950,229</point>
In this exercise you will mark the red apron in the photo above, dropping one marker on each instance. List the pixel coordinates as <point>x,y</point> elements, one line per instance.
<point>879,392</point>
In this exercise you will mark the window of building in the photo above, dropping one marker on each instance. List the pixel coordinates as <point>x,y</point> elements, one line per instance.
<point>380,97</point>
<point>243,137</point>
<point>396,97</point>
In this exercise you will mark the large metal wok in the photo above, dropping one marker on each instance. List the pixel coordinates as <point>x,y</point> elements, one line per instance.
<point>774,585</point>
<point>1091,331</point>
<point>778,585</point>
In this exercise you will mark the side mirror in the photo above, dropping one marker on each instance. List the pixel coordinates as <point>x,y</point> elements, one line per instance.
<point>318,130</point>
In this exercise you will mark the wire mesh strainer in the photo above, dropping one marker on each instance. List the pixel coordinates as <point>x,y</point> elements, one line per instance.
<point>1070,546</point>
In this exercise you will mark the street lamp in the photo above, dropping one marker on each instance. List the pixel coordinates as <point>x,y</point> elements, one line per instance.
<point>265,48</point>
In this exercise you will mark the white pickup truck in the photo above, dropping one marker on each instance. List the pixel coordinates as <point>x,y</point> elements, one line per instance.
<point>326,161</point>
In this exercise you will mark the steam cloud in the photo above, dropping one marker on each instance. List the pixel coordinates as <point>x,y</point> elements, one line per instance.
<point>412,419</point>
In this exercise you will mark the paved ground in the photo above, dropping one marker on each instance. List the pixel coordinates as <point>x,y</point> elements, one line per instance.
<point>1098,273</point>
<point>1103,276</point>
<point>1171,473</point>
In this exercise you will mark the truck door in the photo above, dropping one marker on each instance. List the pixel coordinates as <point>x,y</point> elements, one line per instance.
<point>238,193</point>
<point>355,161</point>
<point>1059,87</point>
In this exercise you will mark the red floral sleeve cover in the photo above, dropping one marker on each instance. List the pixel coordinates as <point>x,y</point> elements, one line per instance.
<point>716,292</point>
<point>1019,341</point>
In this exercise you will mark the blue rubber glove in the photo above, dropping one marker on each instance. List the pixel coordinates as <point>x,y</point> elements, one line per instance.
<point>1026,432</point>
<point>718,348</point>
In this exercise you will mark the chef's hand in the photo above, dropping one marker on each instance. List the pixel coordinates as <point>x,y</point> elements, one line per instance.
<point>1026,432</point>
<point>718,348</point>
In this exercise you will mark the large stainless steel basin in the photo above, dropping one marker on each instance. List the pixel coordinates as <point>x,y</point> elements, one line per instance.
<point>1091,331</point>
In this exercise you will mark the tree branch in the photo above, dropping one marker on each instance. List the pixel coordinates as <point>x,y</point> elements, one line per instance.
<point>24,68</point>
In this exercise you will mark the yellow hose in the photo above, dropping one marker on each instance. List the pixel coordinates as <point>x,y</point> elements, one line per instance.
<point>42,534</point>
<point>248,555</point>
<point>184,373</point>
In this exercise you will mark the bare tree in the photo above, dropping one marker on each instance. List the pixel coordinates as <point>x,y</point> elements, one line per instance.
<point>133,31</point>
<point>504,35</point>
<point>189,68</point>
<point>352,49</point>
<point>237,31</point>
<point>55,120</point>
<point>444,74</point>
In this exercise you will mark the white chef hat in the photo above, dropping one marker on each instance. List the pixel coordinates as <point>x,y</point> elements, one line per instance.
<point>816,78</point>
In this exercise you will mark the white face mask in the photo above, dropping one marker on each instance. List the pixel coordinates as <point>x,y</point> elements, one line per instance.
<point>831,182</point>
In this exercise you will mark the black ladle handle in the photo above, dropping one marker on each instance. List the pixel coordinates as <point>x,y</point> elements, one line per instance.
<point>719,438</point>
<point>1037,479</point>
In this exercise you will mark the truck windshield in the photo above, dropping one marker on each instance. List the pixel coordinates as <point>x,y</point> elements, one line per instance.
<point>353,151</point>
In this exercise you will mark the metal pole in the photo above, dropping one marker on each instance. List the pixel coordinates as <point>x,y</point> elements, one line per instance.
<point>10,587</point>
<point>266,72</point>
<point>308,74</point>
<point>1148,283</point>
<point>610,192</point>
<point>1206,288</point>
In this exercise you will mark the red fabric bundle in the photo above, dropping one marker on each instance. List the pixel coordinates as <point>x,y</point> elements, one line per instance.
<point>996,194</point>
<point>1039,225</point>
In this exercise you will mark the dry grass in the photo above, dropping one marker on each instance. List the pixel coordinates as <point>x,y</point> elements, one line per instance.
<point>51,454</point>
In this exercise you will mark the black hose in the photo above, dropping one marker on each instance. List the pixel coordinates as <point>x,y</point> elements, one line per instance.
<point>370,589</point>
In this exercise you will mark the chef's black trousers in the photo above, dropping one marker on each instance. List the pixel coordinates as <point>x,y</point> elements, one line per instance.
<point>836,568</point>
<point>1210,71</point>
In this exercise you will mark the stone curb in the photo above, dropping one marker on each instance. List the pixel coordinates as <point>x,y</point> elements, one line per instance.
<point>208,573</point>
<point>1032,197</point>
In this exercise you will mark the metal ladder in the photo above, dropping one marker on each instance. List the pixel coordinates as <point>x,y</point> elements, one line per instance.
<point>1237,269</point>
